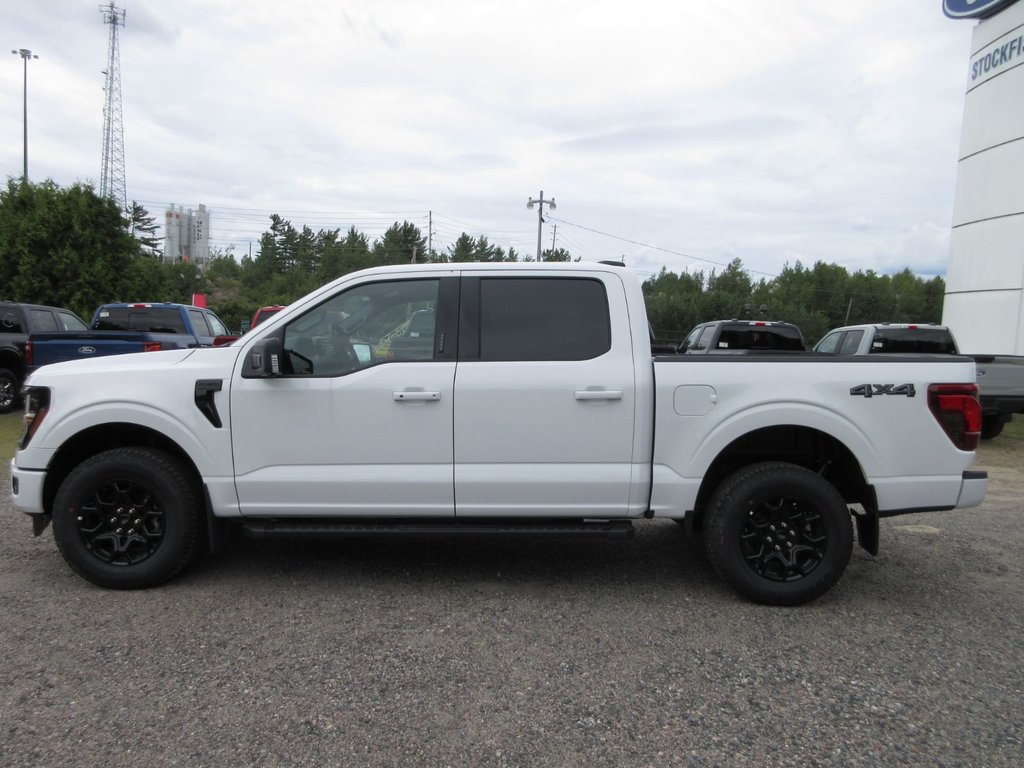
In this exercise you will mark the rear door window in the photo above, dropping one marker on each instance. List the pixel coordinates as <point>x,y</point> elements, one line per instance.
<point>42,320</point>
<point>540,318</point>
<point>199,324</point>
<point>851,342</point>
<point>70,321</point>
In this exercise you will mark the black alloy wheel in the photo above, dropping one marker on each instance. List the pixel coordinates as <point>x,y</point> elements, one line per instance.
<point>778,533</point>
<point>128,518</point>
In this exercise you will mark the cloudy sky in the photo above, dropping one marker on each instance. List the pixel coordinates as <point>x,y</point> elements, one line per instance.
<point>677,134</point>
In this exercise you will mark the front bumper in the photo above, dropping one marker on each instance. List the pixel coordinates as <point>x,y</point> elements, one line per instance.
<point>27,489</point>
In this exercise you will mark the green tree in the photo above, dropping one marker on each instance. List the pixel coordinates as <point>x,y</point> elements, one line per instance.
<point>556,254</point>
<point>144,229</point>
<point>401,244</point>
<point>64,246</point>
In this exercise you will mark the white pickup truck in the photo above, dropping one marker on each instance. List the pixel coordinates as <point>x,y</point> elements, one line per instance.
<point>489,399</point>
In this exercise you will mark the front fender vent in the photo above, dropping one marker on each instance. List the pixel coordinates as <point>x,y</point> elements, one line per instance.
<point>205,390</point>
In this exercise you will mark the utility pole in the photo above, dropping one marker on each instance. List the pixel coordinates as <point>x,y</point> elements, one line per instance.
<point>25,54</point>
<point>554,234</point>
<point>540,202</point>
<point>430,234</point>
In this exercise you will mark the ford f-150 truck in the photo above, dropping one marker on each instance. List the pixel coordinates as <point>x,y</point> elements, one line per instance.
<point>120,329</point>
<point>537,408</point>
<point>1000,377</point>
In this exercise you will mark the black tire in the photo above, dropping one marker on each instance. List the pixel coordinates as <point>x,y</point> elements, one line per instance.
<point>10,390</point>
<point>778,533</point>
<point>991,426</point>
<point>128,518</point>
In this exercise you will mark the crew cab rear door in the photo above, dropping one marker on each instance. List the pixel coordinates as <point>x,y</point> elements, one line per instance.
<point>544,396</point>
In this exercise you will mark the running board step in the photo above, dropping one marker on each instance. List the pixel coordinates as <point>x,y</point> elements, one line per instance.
<point>278,528</point>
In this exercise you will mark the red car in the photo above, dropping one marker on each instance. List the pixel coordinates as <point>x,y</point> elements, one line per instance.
<point>263,313</point>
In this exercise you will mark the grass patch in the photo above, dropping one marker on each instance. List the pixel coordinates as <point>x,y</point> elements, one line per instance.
<point>11,425</point>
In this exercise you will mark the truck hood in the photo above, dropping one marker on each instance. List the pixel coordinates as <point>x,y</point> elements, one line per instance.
<point>108,369</point>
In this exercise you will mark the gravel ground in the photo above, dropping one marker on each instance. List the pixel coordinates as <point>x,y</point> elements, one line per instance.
<point>513,653</point>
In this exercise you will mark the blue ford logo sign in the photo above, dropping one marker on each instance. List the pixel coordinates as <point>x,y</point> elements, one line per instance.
<point>87,350</point>
<point>973,9</point>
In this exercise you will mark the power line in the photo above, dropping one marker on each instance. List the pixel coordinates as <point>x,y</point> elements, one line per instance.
<point>655,247</point>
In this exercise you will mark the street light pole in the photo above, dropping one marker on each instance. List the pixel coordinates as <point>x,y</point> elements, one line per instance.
<point>25,54</point>
<point>540,202</point>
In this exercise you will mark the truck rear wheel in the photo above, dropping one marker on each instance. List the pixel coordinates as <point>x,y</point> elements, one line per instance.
<point>9,394</point>
<point>778,533</point>
<point>128,518</point>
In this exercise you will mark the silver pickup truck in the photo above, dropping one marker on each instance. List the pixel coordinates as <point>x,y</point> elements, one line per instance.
<point>1000,377</point>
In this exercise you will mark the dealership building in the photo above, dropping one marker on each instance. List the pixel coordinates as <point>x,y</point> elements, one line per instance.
<point>984,303</point>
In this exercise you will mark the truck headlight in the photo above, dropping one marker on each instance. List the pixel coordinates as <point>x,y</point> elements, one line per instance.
<point>37,405</point>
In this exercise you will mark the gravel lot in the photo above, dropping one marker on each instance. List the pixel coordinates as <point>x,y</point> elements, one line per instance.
<point>513,653</point>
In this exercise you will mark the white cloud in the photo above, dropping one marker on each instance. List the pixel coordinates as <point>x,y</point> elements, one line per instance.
<point>742,129</point>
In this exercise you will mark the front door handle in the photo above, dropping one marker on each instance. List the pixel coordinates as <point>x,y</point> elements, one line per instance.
<point>417,396</point>
<point>598,394</point>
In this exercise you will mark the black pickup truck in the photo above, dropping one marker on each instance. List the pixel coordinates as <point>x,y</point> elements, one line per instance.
<point>17,321</point>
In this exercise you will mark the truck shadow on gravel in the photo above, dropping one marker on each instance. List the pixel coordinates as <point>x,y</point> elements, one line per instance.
<point>659,553</point>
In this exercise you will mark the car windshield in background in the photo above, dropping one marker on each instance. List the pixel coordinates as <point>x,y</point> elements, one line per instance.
<point>931,341</point>
<point>151,319</point>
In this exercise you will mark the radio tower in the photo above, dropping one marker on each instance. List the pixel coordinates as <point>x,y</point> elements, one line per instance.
<point>112,183</point>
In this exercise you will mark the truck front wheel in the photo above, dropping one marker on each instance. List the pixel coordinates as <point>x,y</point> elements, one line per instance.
<point>778,533</point>
<point>128,518</point>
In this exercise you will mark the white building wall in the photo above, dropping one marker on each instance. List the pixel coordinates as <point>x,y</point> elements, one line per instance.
<point>984,303</point>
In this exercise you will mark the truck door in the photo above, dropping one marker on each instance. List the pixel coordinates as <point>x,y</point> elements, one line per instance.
<point>346,428</point>
<point>544,396</point>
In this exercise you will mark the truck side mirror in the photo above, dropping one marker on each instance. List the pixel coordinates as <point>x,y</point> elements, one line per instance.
<point>263,360</point>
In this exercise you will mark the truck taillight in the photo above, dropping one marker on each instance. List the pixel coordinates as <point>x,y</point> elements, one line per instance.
<point>151,346</point>
<point>956,408</point>
<point>27,353</point>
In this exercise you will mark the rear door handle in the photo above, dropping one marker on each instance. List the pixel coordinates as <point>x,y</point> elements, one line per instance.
<point>420,396</point>
<point>598,394</point>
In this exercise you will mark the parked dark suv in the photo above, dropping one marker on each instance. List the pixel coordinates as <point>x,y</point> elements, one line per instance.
<point>17,321</point>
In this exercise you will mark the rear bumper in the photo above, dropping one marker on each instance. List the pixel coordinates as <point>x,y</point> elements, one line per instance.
<point>972,489</point>
<point>907,495</point>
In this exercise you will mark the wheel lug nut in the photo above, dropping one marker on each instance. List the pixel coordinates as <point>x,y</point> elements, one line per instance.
<point>778,548</point>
